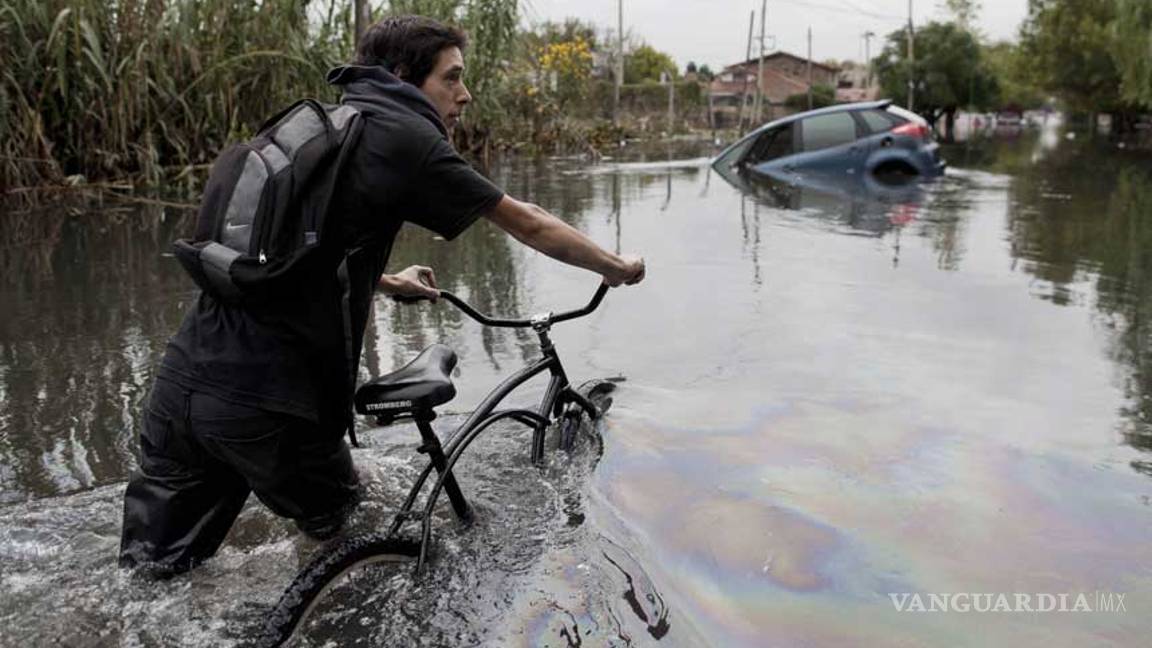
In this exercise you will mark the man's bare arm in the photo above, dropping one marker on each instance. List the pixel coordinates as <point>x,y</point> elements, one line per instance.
<point>535,227</point>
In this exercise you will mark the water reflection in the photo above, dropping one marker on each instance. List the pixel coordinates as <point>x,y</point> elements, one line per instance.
<point>1082,224</point>
<point>861,204</point>
<point>818,189</point>
<point>88,304</point>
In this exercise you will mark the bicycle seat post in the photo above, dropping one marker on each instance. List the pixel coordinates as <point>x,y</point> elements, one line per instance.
<point>435,451</point>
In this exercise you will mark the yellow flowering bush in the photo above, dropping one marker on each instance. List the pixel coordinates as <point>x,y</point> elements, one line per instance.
<point>570,60</point>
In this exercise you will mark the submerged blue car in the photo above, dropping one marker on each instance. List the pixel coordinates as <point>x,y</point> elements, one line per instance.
<point>871,137</point>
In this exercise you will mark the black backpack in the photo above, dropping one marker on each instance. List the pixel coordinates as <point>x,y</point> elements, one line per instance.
<point>264,208</point>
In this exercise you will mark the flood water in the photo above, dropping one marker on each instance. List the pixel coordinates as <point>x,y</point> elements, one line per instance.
<point>831,400</point>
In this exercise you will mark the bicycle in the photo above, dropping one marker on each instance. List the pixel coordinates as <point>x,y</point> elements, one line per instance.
<point>412,393</point>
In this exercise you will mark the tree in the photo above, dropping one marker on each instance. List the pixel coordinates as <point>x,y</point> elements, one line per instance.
<point>571,29</point>
<point>822,95</point>
<point>569,65</point>
<point>963,13</point>
<point>1006,63</point>
<point>550,75</point>
<point>949,72</point>
<point>706,73</point>
<point>1069,49</point>
<point>646,63</point>
<point>1133,52</point>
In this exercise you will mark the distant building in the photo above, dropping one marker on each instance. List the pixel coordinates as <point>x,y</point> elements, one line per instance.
<point>856,83</point>
<point>784,75</point>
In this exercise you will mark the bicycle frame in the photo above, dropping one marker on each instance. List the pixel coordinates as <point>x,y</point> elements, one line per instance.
<point>557,396</point>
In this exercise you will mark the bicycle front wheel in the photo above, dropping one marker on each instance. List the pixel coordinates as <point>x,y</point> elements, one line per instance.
<point>352,560</point>
<point>574,418</point>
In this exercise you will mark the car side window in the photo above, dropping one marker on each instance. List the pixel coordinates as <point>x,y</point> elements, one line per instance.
<point>736,154</point>
<point>879,121</point>
<point>771,145</point>
<point>823,131</point>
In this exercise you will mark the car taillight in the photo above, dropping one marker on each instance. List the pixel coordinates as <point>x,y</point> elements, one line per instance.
<point>914,129</point>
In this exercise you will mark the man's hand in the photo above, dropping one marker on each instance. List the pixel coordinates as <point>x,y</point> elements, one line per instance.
<point>413,281</point>
<point>629,272</point>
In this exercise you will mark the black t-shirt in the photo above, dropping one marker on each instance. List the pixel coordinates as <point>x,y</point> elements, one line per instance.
<point>291,358</point>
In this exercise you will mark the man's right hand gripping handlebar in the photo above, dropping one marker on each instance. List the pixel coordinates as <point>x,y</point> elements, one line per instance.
<point>629,271</point>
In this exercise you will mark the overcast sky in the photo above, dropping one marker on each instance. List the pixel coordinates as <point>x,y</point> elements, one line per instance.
<point>716,31</point>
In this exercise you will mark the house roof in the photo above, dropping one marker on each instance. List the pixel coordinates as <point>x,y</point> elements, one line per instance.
<point>777,86</point>
<point>782,54</point>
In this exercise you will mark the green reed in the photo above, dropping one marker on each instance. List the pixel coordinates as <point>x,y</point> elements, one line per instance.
<point>126,88</point>
<point>149,89</point>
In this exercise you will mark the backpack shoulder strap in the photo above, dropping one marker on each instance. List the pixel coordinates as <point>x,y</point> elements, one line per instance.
<point>271,121</point>
<point>352,125</point>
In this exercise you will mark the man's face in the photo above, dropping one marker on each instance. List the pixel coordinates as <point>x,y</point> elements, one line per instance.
<point>444,87</point>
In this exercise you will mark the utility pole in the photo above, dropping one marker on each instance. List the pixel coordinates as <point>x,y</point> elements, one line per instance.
<point>809,68</point>
<point>760,65</point>
<point>711,117</point>
<point>868,58</point>
<point>671,100</point>
<point>747,57</point>
<point>619,62</point>
<point>911,62</point>
<point>363,17</point>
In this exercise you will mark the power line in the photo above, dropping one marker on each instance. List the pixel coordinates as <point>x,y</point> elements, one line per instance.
<point>874,7</point>
<point>840,15</point>
<point>855,10</point>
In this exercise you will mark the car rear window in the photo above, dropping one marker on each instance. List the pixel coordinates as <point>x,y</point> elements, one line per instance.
<point>822,131</point>
<point>879,121</point>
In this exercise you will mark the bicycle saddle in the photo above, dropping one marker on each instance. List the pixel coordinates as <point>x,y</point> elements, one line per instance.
<point>421,384</point>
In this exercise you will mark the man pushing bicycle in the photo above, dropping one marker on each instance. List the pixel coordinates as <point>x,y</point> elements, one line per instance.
<point>253,395</point>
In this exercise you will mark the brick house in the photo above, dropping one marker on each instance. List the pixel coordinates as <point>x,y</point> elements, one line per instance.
<point>784,75</point>
<point>857,83</point>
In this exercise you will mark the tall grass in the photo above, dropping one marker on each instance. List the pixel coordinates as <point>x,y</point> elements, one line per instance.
<point>146,88</point>
<point>107,89</point>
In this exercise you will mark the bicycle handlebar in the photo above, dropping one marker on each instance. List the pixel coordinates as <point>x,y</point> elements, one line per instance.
<point>514,323</point>
<point>592,305</point>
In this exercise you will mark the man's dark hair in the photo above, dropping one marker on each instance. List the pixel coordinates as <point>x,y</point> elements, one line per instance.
<point>407,46</point>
